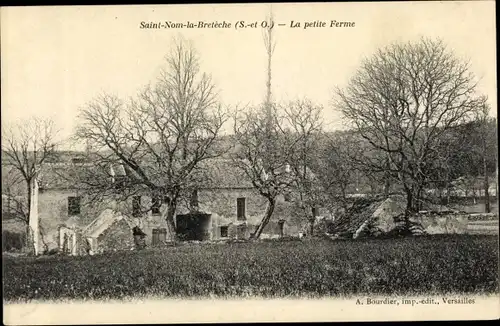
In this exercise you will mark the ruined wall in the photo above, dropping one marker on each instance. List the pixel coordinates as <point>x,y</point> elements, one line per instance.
<point>117,237</point>
<point>53,212</point>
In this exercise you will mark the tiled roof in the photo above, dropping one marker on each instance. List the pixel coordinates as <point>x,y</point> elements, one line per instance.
<point>67,173</point>
<point>215,173</point>
<point>223,173</point>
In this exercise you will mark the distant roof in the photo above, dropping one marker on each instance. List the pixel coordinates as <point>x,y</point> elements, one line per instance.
<point>223,173</point>
<point>65,169</point>
<point>215,173</point>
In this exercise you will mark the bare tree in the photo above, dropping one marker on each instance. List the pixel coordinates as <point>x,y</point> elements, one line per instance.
<point>26,147</point>
<point>263,152</point>
<point>303,119</point>
<point>259,137</point>
<point>402,100</point>
<point>487,149</point>
<point>161,138</point>
<point>14,197</point>
<point>337,166</point>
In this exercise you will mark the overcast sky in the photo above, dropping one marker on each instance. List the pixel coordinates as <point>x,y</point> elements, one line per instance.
<point>55,59</point>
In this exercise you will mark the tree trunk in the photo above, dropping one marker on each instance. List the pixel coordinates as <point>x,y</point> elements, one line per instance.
<point>387,184</point>
<point>496,183</point>
<point>447,194</point>
<point>447,186</point>
<point>267,216</point>
<point>409,206</point>
<point>487,207</point>
<point>29,232</point>
<point>440,194</point>
<point>418,199</point>
<point>311,226</point>
<point>344,198</point>
<point>170,220</point>
<point>28,240</point>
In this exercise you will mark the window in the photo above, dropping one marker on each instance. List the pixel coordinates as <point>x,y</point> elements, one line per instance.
<point>136,206</point>
<point>194,199</point>
<point>156,204</point>
<point>287,196</point>
<point>240,209</point>
<point>224,231</point>
<point>74,206</point>
<point>166,200</point>
<point>315,211</point>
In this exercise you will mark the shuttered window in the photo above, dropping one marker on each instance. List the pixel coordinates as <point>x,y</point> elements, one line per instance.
<point>74,206</point>
<point>240,209</point>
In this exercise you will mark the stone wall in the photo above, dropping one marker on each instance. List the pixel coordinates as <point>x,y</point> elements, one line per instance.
<point>442,223</point>
<point>117,237</point>
<point>220,203</point>
<point>53,212</point>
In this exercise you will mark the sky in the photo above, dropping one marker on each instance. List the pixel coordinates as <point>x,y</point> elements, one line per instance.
<point>56,59</point>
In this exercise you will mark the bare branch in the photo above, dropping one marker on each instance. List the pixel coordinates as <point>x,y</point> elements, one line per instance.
<point>402,101</point>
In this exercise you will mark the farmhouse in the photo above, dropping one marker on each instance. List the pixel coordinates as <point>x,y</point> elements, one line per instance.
<point>225,206</point>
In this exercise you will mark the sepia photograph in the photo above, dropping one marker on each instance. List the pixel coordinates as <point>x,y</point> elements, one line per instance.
<point>249,163</point>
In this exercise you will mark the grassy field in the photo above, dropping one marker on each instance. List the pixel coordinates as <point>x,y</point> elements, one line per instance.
<point>421,265</point>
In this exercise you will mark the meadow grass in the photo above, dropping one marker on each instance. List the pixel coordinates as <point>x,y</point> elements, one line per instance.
<point>424,265</point>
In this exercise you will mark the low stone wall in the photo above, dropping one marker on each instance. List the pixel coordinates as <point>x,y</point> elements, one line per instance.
<point>483,217</point>
<point>443,224</point>
<point>449,222</point>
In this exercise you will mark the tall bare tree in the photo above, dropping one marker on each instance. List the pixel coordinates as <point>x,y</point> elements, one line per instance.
<point>402,100</point>
<point>270,45</point>
<point>26,147</point>
<point>303,119</point>
<point>263,152</point>
<point>161,137</point>
<point>487,149</point>
<point>259,138</point>
<point>337,166</point>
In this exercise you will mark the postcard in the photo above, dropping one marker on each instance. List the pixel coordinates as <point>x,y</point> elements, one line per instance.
<point>249,163</point>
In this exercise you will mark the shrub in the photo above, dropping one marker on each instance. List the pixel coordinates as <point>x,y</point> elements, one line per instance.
<point>12,241</point>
